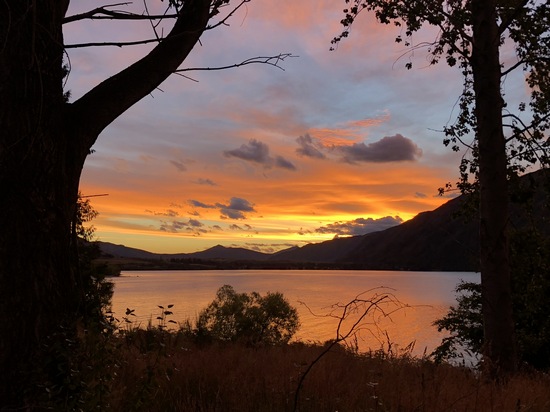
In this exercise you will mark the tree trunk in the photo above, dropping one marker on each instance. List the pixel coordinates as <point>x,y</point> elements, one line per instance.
<point>44,142</point>
<point>499,346</point>
<point>39,173</point>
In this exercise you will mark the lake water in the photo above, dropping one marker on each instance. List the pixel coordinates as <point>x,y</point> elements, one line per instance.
<point>413,300</point>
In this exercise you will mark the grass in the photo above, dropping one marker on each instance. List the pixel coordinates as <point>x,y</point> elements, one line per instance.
<point>155,370</point>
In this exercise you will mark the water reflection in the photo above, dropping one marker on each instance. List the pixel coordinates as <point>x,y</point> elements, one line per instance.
<point>421,298</point>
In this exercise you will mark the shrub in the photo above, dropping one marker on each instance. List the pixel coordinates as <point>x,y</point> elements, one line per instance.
<point>248,317</point>
<point>530,263</point>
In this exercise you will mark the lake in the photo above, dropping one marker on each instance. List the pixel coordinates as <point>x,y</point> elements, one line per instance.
<point>412,300</point>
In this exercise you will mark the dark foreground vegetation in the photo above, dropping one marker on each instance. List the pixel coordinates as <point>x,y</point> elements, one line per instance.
<point>238,356</point>
<point>157,370</point>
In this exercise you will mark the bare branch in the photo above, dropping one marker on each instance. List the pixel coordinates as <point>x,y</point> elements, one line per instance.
<point>271,61</point>
<point>108,100</point>
<point>116,44</point>
<point>512,68</point>
<point>229,15</point>
<point>153,25</point>
<point>363,307</point>
<point>531,62</point>
<point>103,13</point>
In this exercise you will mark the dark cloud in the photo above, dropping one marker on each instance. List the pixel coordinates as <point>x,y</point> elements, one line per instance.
<point>420,195</point>
<point>232,214</point>
<point>389,149</point>
<point>283,163</point>
<point>195,223</point>
<point>360,226</point>
<point>192,226</point>
<point>258,152</point>
<point>196,203</point>
<point>254,151</point>
<point>309,147</point>
<point>179,165</point>
<point>236,208</point>
<point>168,212</point>
<point>206,182</point>
<point>244,227</point>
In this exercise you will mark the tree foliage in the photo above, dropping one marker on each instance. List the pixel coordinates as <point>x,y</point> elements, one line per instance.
<point>98,290</point>
<point>530,268</point>
<point>523,26</point>
<point>248,317</point>
<point>531,288</point>
<point>503,137</point>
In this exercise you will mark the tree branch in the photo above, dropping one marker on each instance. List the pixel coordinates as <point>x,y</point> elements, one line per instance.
<point>530,62</point>
<point>360,306</point>
<point>108,100</point>
<point>224,20</point>
<point>271,61</point>
<point>526,127</point>
<point>103,13</point>
<point>510,18</point>
<point>116,44</point>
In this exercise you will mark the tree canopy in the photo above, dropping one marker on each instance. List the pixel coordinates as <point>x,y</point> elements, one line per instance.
<point>248,317</point>
<point>501,137</point>
<point>523,28</point>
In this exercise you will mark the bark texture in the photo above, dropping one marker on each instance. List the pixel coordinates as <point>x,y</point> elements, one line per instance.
<point>499,347</point>
<point>44,142</point>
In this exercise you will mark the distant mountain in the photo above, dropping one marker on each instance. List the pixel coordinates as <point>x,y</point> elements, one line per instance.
<point>121,251</point>
<point>445,239</point>
<point>216,252</point>
<point>330,251</point>
<point>430,241</point>
<point>229,253</point>
<point>441,240</point>
<point>437,240</point>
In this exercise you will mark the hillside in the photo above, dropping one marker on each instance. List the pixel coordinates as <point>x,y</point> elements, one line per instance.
<point>445,239</point>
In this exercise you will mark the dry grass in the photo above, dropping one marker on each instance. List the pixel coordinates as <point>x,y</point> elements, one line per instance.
<point>179,376</point>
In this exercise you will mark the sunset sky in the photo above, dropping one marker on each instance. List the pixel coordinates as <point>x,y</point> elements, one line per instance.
<point>338,143</point>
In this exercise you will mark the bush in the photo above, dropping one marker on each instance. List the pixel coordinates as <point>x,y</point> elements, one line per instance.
<point>250,318</point>
<point>465,324</point>
<point>530,264</point>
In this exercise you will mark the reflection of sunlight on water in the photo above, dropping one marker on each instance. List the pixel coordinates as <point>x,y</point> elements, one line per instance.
<point>402,327</point>
<point>428,294</point>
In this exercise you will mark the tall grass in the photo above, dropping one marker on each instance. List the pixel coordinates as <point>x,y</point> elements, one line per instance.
<point>163,371</point>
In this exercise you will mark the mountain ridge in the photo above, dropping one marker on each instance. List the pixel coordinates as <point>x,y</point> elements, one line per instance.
<point>437,240</point>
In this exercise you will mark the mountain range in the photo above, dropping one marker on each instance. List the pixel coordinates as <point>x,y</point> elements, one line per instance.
<point>445,239</point>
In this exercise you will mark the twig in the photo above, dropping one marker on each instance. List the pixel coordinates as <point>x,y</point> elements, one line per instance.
<point>271,61</point>
<point>369,306</point>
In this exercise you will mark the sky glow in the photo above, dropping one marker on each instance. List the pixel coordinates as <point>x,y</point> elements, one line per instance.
<point>339,143</point>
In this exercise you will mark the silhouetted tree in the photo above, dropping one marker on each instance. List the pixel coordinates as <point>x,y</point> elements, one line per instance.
<point>248,317</point>
<point>530,268</point>
<point>470,35</point>
<point>44,142</point>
